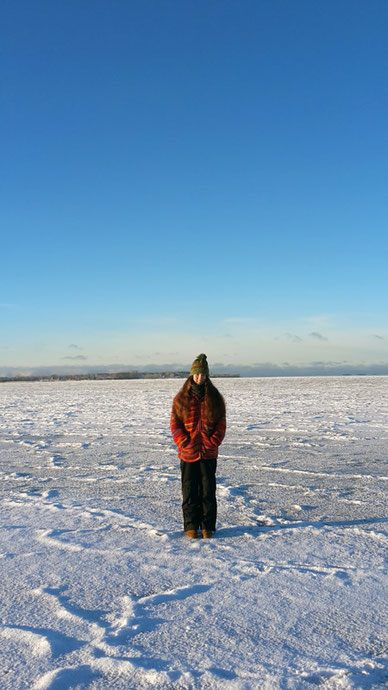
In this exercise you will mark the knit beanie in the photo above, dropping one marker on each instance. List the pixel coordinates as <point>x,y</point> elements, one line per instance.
<point>200,366</point>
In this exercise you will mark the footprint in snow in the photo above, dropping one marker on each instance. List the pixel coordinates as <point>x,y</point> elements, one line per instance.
<point>57,460</point>
<point>135,617</point>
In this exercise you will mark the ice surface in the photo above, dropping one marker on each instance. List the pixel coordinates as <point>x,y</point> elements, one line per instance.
<point>98,587</point>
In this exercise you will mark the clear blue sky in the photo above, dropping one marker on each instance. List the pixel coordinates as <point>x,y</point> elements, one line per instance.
<point>183,176</point>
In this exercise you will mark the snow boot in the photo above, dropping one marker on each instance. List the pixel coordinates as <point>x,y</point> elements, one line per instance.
<point>207,533</point>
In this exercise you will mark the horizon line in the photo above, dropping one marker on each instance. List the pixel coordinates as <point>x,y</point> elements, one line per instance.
<point>264,369</point>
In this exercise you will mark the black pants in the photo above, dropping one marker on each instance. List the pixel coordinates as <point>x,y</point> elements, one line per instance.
<point>199,503</point>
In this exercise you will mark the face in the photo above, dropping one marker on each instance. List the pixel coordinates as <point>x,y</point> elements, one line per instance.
<point>199,378</point>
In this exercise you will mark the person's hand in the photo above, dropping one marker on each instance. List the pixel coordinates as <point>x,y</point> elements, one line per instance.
<point>207,441</point>
<point>185,442</point>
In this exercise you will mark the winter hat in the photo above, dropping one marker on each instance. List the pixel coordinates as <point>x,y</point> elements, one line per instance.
<point>200,366</point>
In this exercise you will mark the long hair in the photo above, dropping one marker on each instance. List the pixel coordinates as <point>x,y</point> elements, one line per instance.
<point>214,402</point>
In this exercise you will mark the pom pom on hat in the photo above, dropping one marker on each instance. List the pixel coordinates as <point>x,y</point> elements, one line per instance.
<point>200,366</point>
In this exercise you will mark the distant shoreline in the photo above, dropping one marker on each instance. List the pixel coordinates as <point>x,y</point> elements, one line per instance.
<point>139,375</point>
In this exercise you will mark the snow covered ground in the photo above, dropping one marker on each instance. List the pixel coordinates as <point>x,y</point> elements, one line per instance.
<point>99,589</point>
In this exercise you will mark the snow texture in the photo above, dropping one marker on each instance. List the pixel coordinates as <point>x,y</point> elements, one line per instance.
<point>98,587</point>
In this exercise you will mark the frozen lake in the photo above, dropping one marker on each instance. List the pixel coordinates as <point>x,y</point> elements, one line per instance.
<point>98,587</point>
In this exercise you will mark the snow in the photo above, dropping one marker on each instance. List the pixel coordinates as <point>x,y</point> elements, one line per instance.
<point>99,589</point>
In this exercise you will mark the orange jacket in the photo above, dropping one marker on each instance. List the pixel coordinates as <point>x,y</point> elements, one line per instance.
<point>194,438</point>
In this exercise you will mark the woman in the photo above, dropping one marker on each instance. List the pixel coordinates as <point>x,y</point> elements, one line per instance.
<point>198,428</point>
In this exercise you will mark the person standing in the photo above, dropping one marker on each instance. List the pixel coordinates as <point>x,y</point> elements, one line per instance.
<point>198,425</point>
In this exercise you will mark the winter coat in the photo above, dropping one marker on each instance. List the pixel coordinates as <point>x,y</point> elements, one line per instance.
<point>195,438</point>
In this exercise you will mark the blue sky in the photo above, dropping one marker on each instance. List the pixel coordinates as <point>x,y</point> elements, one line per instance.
<point>184,177</point>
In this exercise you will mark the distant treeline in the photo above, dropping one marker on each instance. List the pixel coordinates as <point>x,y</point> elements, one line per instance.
<point>107,376</point>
